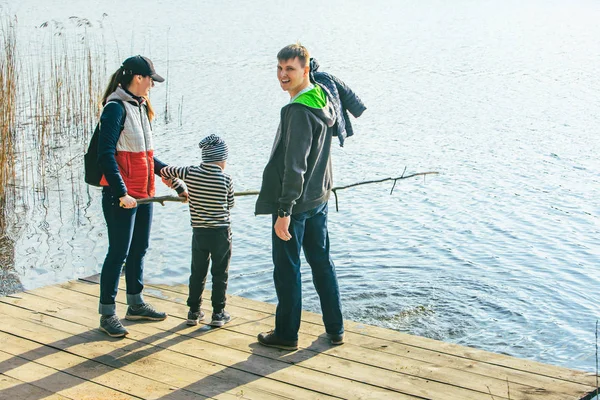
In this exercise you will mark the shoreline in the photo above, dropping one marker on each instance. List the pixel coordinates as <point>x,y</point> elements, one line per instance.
<point>9,279</point>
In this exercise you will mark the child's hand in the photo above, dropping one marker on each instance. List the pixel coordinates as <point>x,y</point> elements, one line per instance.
<point>168,182</point>
<point>186,195</point>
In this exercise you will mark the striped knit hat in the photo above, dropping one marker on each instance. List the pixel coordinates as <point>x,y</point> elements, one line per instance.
<point>213,149</point>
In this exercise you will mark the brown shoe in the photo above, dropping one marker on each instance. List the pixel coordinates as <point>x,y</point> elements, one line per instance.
<point>270,339</point>
<point>337,338</point>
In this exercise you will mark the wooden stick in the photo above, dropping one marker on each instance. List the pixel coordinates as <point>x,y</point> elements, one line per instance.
<point>335,189</point>
<point>162,199</point>
<point>247,193</point>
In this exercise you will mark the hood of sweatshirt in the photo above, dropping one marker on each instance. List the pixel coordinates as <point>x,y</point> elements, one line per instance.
<point>124,95</point>
<point>316,101</point>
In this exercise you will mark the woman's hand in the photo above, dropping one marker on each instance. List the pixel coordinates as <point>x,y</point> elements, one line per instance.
<point>127,201</point>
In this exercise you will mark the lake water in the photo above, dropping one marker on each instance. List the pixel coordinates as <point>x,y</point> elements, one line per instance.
<point>500,251</point>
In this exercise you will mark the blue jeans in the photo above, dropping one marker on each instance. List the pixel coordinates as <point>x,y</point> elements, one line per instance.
<point>128,240</point>
<point>309,232</point>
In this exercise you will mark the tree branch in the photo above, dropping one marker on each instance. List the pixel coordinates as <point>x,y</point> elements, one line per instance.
<point>335,189</point>
<point>162,199</point>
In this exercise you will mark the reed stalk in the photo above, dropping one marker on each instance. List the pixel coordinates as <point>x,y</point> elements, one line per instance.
<point>8,101</point>
<point>48,116</point>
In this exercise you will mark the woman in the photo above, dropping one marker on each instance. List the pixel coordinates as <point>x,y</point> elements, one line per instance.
<point>126,156</point>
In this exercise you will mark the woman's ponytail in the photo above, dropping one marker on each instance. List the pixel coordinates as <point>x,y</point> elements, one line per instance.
<point>113,83</point>
<point>149,109</point>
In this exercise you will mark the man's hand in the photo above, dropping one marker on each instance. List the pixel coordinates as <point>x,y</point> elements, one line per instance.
<point>282,228</point>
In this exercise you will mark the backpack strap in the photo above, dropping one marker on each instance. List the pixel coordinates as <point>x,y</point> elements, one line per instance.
<point>92,171</point>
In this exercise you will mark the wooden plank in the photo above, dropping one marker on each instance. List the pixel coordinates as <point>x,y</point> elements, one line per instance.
<point>222,353</point>
<point>419,357</point>
<point>371,355</point>
<point>135,357</point>
<point>364,333</point>
<point>278,370</point>
<point>421,362</point>
<point>53,380</point>
<point>11,388</point>
<point>383,379</point>
<point>134,384</point>
<point>484,387</point>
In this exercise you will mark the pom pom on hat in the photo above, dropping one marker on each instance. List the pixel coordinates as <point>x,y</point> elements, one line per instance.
<point>213,149</point>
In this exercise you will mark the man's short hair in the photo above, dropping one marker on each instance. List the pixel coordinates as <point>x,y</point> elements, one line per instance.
<point>292,51</point>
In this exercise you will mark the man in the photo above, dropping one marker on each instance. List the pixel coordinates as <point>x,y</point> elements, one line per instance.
<point>296,185</point>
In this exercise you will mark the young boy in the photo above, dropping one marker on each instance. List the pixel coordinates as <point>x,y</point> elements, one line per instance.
<point>210,197</point>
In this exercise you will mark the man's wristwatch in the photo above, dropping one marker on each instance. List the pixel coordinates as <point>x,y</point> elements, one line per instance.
<point>282,213</point>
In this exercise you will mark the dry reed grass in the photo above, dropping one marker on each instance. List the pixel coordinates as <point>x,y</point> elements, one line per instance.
<point>8,103</point>
<point>51,82</point>
<point>51,86</point>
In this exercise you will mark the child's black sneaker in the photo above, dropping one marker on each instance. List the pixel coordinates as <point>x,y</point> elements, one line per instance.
<point>194,317</point>
<point>220,318</point>
<point>111,325</point>
<point>144,311</point>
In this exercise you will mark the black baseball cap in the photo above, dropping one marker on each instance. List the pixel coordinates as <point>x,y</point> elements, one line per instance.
<point>140,65</point>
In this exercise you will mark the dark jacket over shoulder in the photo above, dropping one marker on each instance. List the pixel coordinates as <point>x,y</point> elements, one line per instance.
<point>298,175</point>
<point>343,99</point>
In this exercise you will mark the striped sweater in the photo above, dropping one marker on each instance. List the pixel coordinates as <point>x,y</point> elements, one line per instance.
<point>210,193</point>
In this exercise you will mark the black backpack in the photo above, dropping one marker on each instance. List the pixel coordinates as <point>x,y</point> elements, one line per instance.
<point>93,173</point>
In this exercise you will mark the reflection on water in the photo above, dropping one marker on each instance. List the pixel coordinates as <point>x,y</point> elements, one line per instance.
<point>500,251</point>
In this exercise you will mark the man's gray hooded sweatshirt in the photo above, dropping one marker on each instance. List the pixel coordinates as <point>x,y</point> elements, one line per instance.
<point>298,176</point>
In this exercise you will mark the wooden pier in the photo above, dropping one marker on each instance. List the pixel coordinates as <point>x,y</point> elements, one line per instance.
<point>51,348</point>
